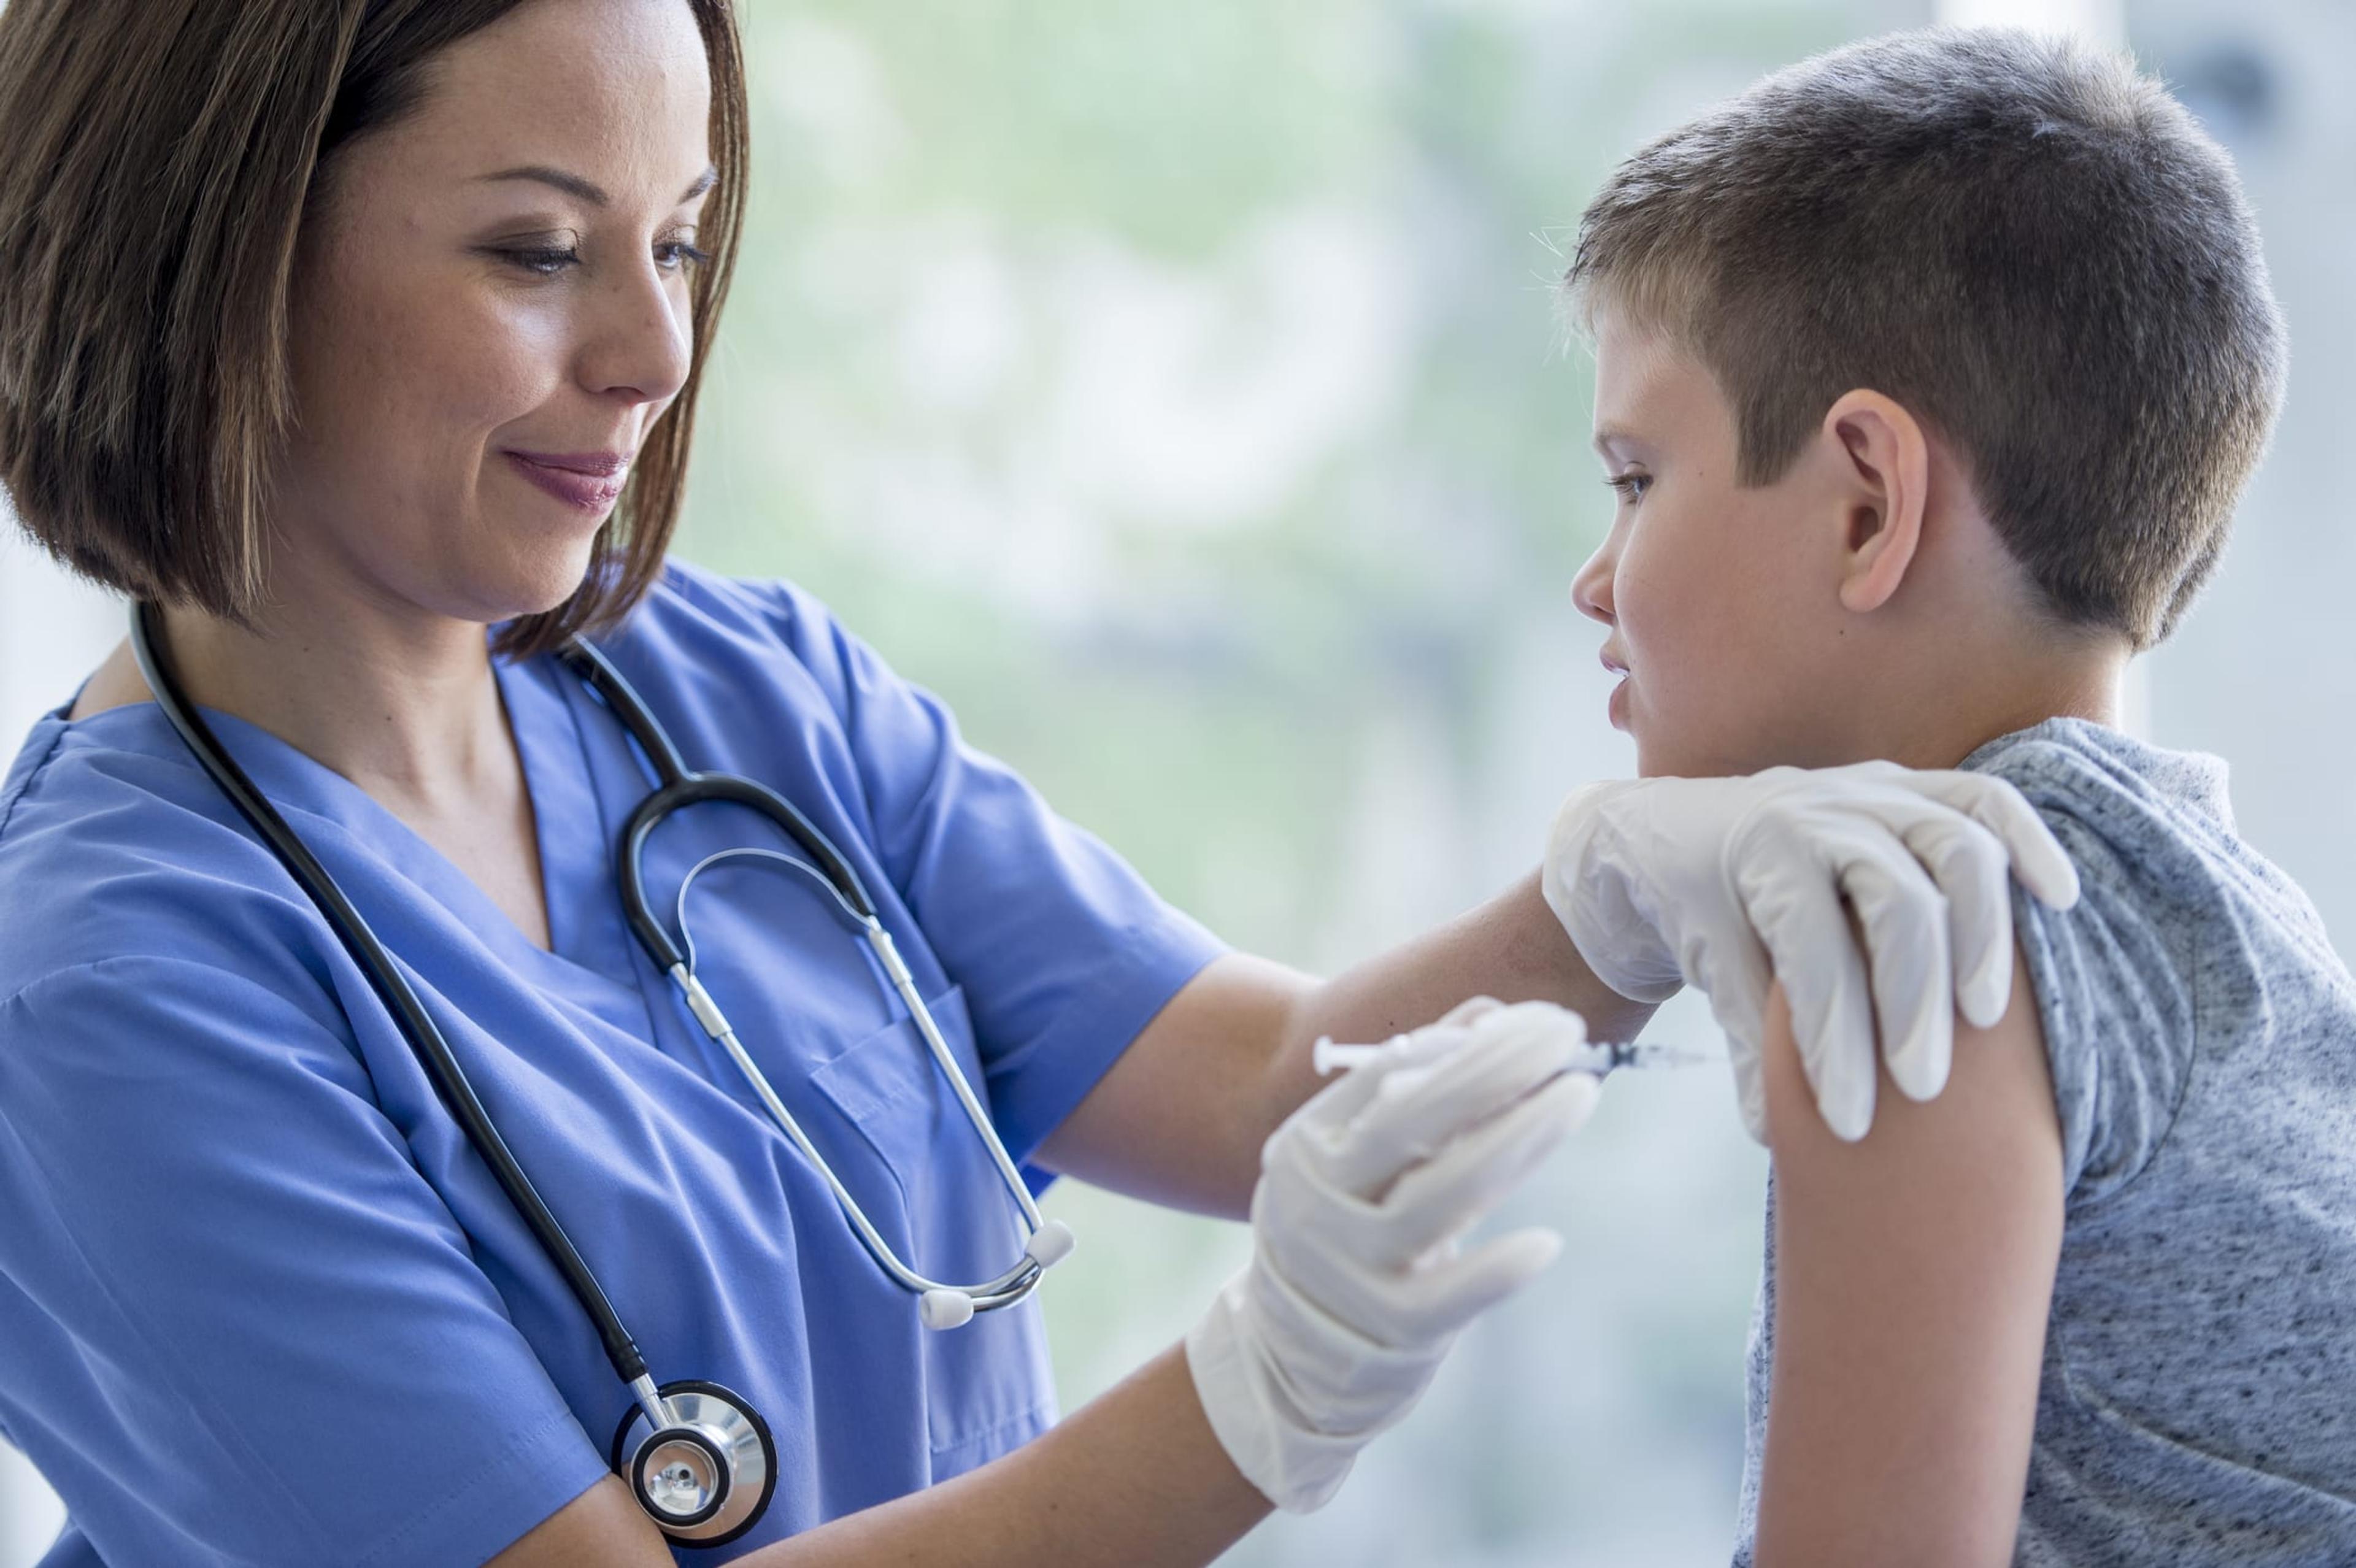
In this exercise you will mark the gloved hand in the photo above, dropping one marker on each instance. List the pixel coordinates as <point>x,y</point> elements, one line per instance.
<point>1730,883</point>
<point>1358,1281</point>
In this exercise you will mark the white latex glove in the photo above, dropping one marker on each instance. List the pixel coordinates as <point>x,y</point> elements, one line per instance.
<point>1358,1280</point>
<point>1729,884</point>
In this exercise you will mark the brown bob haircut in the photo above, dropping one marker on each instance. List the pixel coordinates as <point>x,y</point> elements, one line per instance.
<point>161,157</point>
<point>2025,242</point>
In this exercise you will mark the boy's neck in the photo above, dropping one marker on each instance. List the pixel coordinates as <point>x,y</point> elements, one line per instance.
<point>1937,708</point>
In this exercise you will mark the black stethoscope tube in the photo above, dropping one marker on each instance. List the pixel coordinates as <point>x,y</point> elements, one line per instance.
<point>449,1079</point>
<point>680,785</point>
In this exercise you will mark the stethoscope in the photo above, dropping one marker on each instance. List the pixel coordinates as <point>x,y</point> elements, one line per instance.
<point>706,1466</point>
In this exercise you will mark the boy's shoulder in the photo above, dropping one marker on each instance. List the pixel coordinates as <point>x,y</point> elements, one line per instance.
<point>2145,825</point>
<point>2085,773</point>
<point>2185,942</point>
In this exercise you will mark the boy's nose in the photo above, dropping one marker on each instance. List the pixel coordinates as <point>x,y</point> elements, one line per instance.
<point>1590,591</point>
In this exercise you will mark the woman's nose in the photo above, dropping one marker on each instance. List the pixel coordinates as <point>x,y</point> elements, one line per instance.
<point>1590,591</point>
<point>645,344</point>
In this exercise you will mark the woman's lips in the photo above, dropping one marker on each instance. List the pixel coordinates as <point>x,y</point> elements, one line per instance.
<point>591,493</point>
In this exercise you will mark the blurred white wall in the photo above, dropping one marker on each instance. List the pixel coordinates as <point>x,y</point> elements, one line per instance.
<point>2103,21</point>
<point>30,1514</point>
<point>54,629</point>
<point>2263,670</point>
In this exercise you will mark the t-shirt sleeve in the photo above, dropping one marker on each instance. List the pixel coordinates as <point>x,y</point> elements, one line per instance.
<point>281,1350</point>
<point>1063,953</point>
<point>2112,974</point>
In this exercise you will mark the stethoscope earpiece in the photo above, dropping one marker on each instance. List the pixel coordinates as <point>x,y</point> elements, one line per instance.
<point>706,1477</point>
<point>945,1308</point>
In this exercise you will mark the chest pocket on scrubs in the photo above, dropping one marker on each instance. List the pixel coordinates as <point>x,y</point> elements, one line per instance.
<point>887,1085</point>
<point>987,1382</point>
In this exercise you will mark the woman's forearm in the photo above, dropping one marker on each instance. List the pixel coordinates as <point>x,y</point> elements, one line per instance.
<point>1511,947</point>
<point>1181,1117</point>
<point>1133,1479</point>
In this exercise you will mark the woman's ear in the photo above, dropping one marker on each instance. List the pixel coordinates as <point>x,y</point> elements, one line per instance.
<point>1889,476</point>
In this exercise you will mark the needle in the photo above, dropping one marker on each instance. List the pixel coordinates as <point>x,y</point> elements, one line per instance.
<point>1597,1057</point>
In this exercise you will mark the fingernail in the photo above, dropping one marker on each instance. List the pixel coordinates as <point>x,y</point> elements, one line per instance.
<point>1990,987</point>
<point>1853,1117</point>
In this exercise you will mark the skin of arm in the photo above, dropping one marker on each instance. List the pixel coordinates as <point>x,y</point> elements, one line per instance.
<point>1135,1478</point>
<point>1914,1271</point>
<point>1181,1117</point>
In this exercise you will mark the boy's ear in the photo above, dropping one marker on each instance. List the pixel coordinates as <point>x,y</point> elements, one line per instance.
<point>1888,473</point>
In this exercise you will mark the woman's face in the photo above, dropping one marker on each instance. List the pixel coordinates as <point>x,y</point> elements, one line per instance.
<point>492,309</point>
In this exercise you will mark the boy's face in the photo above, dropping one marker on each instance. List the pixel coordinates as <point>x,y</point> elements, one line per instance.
<point>1721,599</point>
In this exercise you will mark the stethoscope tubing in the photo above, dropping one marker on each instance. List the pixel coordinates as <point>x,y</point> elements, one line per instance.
<point>449,1079</point>
<point>699,1001</point>
<point>679,786</point>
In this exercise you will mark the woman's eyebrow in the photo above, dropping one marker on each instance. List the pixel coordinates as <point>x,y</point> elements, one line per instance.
<point>587,190</point>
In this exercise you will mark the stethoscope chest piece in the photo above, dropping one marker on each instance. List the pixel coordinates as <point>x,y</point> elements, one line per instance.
<point>706,1477</point>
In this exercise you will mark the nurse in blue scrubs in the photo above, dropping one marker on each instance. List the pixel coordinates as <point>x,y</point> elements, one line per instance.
<point>364,338</point>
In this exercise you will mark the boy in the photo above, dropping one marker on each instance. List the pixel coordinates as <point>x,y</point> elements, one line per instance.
<point>1927,373</point>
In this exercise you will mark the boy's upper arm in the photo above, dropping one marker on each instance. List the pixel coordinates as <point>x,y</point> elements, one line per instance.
<point>1914,1273</point>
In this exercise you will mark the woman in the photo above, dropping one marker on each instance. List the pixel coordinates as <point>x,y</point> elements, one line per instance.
<point>343,332</point>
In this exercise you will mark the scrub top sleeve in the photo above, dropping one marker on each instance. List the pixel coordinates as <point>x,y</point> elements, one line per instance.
<point>1062,951</point>
<point>281,1350</point>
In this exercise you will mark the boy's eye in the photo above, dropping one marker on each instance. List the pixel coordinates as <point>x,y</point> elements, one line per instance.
<point>1629,487</point>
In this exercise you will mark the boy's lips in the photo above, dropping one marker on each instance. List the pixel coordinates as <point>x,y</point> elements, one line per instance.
<point>1616,709</point>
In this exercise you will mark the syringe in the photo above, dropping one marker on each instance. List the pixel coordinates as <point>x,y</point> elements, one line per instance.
<point>1597,1057</point>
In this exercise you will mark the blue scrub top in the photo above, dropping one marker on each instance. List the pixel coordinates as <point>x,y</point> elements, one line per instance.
<point>260,1300</point>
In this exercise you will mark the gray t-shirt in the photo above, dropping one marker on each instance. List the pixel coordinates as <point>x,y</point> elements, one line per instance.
<point>2197,1403</point>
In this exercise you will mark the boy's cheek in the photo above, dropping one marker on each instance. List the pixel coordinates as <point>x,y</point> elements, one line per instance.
<point>1689,714</point>
<point>1708,686</point>
<point>1674,664</point>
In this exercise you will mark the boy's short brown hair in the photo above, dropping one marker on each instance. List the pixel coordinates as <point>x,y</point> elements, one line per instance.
<point>161,157</point>
<point>2026,241</point>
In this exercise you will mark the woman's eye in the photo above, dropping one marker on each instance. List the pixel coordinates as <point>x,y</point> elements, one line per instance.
<point>545,263</point>
<point>1631,486</point>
